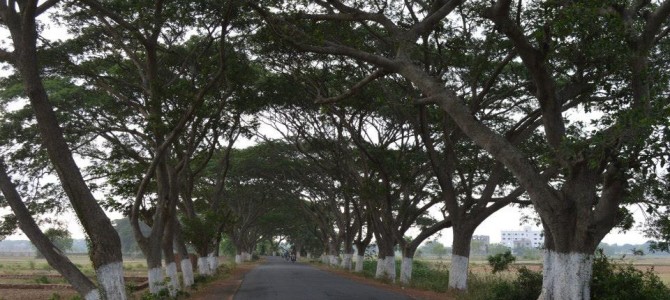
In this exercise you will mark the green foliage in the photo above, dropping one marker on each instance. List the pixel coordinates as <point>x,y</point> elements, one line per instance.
<point>42,280</point>
<point>60,237</point>
<point>427,277</point>
<point>55,296</point>
<point>623,281</point>
<point>501,261</point>
<point>435,248</point>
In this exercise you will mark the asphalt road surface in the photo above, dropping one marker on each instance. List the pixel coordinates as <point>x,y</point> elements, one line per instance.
<point>278,279</point>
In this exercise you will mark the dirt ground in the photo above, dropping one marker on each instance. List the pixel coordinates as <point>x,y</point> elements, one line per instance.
<point>224,288</point>
<point>17,294</point>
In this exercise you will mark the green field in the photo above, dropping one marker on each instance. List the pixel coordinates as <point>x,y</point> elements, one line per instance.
<point>35,266</point>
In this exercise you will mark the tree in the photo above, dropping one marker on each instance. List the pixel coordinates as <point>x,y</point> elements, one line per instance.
<point>60,237</point>
<point>41,241</point>
<point>105,252</point>
<point>583,201</point>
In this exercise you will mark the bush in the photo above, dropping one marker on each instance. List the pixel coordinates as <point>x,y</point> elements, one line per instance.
<point>429,278</point>
<point>610,282</point>
<point>623,281</point>
<point>501,261</point>
<point>527,286</point>
<point>42,280</point>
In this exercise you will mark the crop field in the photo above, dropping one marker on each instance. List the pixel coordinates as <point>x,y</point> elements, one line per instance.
<point>32,278</point>
<point>660,265</point>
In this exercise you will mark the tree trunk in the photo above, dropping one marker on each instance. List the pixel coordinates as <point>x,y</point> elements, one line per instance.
<point>347,261</point>
<point>360,259</point>
<point>406,270</point>
<point>55,258</point>
<point>168,236</point>
<point>460,258</point>
<point>360,256</point>
<point>334,252</point>
<point>186,264</point>
<point>566,276</point>
<point>406,266</point>
<point>154,271</point>
<point>386,261</point>
<point>170,264</point>
<point>105,249</point>
<point>203,264</point>
<point>213,259</point>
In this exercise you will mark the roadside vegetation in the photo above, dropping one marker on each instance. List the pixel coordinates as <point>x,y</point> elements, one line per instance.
<point>613,278</point>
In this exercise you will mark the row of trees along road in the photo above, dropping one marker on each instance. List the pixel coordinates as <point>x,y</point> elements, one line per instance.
<point>395,115</point>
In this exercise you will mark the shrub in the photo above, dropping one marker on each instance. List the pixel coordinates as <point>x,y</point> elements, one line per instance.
<point>623,281</point>
<point>429,278</point>
<point>501,261</point>
<point>42,280</point>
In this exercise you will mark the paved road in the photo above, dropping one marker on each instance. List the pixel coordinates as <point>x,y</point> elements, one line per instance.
<point>278,280</point>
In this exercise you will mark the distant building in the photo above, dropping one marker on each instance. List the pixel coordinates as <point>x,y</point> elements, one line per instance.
<point>523,238</point>
<point>485,239</point>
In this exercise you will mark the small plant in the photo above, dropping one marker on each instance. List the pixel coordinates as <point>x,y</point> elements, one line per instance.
<point>55,296</point>
<point>31,264</point>
<point>42,280</point>
<point>501,261</point>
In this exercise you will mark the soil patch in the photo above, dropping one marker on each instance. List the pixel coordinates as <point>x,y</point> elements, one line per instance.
<point>224,288</point>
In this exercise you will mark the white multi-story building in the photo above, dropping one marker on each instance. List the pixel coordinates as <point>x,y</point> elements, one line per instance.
<point>522,238</point>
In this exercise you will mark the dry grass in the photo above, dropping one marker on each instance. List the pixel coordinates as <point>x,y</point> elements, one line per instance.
<point>661,265</point>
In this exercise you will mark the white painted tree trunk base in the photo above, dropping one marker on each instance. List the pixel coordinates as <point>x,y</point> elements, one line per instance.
<point>458,273</point>
<point>173,284</point>
<point>334,260</point>
<point>238,258</point>
<point>406,270</point>
<point>379,272</point>
<point>155,280</point>
<point>93,295</point>
<point>213,263</point>
<point>347,261</point>
<point>386,268</point>
<point>566,276</point>
<point>110,279</point>
<point>203,266</point>
<point>359,263</point>
<point>187,272</point>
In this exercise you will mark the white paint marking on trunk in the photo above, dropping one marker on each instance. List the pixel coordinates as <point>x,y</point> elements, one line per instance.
<point>458,274</point>
<point>213,263</point>
<point>238,258</point>
<point>379,272</point>
<point>155,280</point>
<point>359,263</point>
<point>110,278</point>
<point>566,276</point>
<point>173,284</point>
<point>187,272</point>
<point>347,261</point>
<point>203,266</point>
<point>334,260</point>
<point>389,267</point>
<point>406,270</point>
<point>93,295</point>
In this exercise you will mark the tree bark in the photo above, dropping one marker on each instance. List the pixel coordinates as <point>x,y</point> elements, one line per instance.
<point>105,243</point>
<point>54,257</point>
<point>458,273</point>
